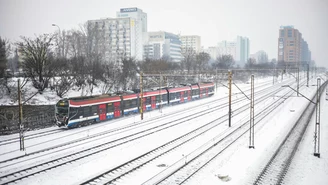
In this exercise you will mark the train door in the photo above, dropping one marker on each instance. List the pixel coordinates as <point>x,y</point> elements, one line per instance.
<point>153,102</point>
<point>102,112</point>
<point>200,93</point>
<point>206,92</point>
<point>189,95</point>
<point>117,110</point>
<point>182,96</point>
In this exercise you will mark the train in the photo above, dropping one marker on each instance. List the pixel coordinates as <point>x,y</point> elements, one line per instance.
<point>78,111</point>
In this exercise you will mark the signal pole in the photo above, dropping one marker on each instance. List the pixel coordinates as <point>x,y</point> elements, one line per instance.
<point>21,126</point>
<point>141,97</point>
<point>317,122</point>
<point>160,93</point>
<point>308,73</point>
<point>230,78</point>
<point>251,120</point>
<point>298,79</point>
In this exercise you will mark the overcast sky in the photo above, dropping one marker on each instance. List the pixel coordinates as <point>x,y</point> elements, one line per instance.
<point>213,20</point>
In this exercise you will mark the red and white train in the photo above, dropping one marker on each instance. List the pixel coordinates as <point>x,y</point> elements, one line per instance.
<point>72,112</point>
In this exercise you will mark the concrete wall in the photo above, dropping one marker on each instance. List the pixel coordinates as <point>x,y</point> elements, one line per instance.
<point>34,117</point>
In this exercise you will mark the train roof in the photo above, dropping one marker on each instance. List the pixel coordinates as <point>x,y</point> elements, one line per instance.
<point>179,89</point>
<point>94,100</point>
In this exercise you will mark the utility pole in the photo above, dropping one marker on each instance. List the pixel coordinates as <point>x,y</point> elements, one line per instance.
<point>230,78</point>
<point>160,92</point>
<point>298,79</point>
<point>21,126</point>
<point>141,97</point>
<point>273,76</point>
<point>308,73</point>
<point>317,122</point>
<point>251,120</point>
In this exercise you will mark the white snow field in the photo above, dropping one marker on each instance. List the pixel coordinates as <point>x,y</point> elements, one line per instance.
<point>237,164</point>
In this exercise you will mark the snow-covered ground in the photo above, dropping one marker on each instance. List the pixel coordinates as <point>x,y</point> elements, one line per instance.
<point>239,162</point>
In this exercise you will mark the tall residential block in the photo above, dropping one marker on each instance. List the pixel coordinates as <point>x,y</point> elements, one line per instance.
<point>291,46</point>
<point>162,44</point>
<point>121,36</point>
<point>140,24</point>
<point>239,49</point>
<point>190,42</point>
<point>242,50</point>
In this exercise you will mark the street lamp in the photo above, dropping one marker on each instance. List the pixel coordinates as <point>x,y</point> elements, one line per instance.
<point>61,40</point>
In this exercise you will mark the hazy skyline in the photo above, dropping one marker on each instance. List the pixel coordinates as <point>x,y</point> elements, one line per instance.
<point>213,20</point>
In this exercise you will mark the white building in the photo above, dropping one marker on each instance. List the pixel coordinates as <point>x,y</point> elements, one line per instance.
<point>116,36</point>
<point>140,26</point>
<point>190,42</point>
<point>260,57</point>
<point>162,44</point>
<point>239,49</point>
<point>122,36</point>
<point>226,48</point>
<point>242,50</point>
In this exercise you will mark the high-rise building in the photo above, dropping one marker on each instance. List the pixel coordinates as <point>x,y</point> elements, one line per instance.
<point>116,37</point>
<point>239,49</point>
<point>162,44</point>
<point>305,53</point>
<point>226,48</point>
<point>140,24</point>
<point>242,50</point>
<point>260,57</point>
<point>190,42</point>
<point>121,36</point>
<point>291,46</point>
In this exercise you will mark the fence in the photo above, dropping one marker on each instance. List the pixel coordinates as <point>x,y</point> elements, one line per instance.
<point>34,117</point>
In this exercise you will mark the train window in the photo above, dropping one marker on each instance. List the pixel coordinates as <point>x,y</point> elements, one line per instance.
<point>127,104</point>
<point>164,97</point>
<point>110,108</point>
<point>148,101</point>
<point>73,111</point>
<point>134,103</point>
<point>94,109</point>
<point>172,96</point>
<point>158,98</point>
<point>87,111</point>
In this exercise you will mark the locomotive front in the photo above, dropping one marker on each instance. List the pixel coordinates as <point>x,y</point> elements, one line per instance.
<point>62,108</point>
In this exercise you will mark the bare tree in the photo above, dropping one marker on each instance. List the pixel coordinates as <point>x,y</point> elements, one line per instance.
<point>94,70</point>
<point>251,62</point>
<point>62,80</point>
<point>157,66</point>
<point>224,62</point>
<point>13,63</point>
<point>262,58</point>
<point>129,71</point>
<point>37,59</point>
<point>78,71</point>
<point>4,53</point>
<point>189,56</point>
<point>202,61</point>
<point>110,77</point>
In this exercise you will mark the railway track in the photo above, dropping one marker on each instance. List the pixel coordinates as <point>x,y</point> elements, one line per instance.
<point>103,134</point>
<point>50,132</point>
<point>14,176</point>
<point>30,136</point>
<point>112,175</point>
<point>277,167</point>
<point>181,172</point>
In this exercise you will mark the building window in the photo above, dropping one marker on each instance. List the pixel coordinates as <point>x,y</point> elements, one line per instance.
<point>290,33</point>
